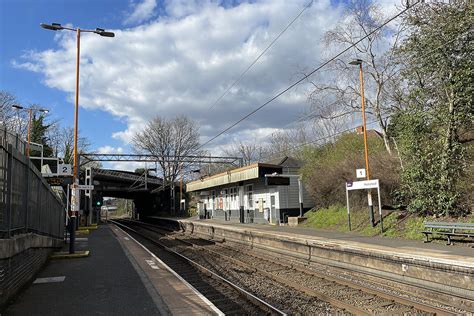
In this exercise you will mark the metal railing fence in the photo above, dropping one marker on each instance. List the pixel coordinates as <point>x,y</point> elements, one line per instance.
<point>7,137</point>
<point>27,203</point>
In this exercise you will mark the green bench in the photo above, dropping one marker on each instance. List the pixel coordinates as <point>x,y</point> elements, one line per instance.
<point>449,230</point>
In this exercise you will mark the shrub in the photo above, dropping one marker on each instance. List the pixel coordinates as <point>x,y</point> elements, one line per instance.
<point>327,169</point>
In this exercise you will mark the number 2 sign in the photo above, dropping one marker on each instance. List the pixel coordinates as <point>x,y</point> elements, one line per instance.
<point>64,169</point>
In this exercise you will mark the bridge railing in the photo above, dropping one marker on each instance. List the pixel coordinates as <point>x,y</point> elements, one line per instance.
<point>27,203</point>
<point>125,175</point>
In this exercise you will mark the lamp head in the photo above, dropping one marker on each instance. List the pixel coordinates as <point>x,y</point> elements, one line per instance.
<point>356,62</point>
<point>102,32</point>
<point>16,106</point>
<point>52,26</point>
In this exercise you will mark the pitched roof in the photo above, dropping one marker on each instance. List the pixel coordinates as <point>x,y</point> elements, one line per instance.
<point>289,162</point>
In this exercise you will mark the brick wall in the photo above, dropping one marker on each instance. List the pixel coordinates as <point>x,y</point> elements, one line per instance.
<point>19,270</point>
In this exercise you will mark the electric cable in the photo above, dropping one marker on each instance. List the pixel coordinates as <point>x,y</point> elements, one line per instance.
<point>261,54</point>
<point>308,75</point>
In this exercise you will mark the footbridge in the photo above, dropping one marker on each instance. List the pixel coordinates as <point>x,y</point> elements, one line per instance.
<point>147,192</point>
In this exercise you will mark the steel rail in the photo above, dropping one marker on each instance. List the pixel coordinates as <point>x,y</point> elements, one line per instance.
<point>379,293</point>
<point>334,302</point>
<point>266,306</point>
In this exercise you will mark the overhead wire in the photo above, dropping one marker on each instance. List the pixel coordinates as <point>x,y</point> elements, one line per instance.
<point>308,75</point>
<point>261,54</point>
<point>308,116</point>
<point>314,141</point>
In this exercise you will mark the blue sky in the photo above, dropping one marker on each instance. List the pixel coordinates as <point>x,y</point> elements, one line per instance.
<point>169,58</point>
<point>20,32</point>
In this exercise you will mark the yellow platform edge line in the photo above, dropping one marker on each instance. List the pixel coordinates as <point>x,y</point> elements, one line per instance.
<point>82,232</point>
<point>87,227</point>
<point>66,255</point>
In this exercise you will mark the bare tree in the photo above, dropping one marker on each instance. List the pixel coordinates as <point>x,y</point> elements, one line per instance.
<point>14,120</point>
<point>250,152</point>
<point>169,140</point>
<point>62,141</point>
<point>286,142</point>
<point>336,93</point>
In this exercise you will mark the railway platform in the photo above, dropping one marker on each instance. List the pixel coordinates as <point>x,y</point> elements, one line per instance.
<point>120,277</point>
<point>433,267</point>
<point>397,246</point>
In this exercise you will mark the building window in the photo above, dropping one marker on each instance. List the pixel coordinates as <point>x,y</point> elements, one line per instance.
<point>233,194</point>
<point>226,199</point>
<point>214,200</point>
<point>249,193</point>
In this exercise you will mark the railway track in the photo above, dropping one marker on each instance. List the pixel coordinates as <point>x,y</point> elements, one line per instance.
<point>228,297</point>
<point>352,297</point>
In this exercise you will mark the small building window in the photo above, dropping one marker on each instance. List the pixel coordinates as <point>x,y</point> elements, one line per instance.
<point>249,193</point>
<point>233,194</point>
<point>214,200</point>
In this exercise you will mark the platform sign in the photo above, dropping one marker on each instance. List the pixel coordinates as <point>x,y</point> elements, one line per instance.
<point>74,200</point>
<point>360,173</point>
<point>360,185</point>
<point>277,181</point>
<point>85,187</point>
<point>64,169</point>
<point>363,185</point>
<point>59,181</point>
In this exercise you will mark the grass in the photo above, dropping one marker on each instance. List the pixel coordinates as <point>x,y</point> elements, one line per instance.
<point>396,224</point>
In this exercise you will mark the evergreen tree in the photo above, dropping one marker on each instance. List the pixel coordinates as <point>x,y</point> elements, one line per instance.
<point>439,76</point>
<point>39,135</point>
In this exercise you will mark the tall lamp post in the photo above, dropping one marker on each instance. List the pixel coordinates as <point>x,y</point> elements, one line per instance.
<point>30,111</point>
<point>75,194</point>
<point>358,62</point>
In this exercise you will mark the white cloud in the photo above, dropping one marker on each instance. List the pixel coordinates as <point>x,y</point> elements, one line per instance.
<point>142,12</point>
<point>109,150</point>
<point>181,62</point>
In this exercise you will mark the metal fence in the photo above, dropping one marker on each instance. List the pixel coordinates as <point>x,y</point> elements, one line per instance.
<point>27,203</point>
<point>6,137</point>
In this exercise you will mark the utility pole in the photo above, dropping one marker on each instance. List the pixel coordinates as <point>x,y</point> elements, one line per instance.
<point>366,147</point>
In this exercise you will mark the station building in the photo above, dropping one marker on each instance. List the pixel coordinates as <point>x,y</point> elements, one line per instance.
<point>245,195</point>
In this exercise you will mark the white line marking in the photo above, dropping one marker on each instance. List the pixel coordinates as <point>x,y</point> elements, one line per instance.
<point>126,238</point>
<point>152,264</point>
<point>202,297</point>
<point>49,280</point>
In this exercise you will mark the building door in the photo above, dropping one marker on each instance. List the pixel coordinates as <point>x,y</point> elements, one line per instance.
<point>272,207</point>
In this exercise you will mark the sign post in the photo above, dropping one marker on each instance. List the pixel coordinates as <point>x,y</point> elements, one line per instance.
<point>363,185</point>
<point>75,200</point>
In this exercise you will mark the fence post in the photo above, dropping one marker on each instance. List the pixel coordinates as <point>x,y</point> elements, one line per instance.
<point>9,188</point>
<point>27,193</point>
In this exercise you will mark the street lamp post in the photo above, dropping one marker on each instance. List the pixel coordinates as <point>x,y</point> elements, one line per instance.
<point>30,111</point>
<point>75,205</point>
<point>366,147</point>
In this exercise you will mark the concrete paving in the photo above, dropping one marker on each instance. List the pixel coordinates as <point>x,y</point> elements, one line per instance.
<point>105,283</point>
<point>414,246</point>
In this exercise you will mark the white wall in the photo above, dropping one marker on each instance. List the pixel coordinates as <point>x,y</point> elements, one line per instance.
<point>285,196</point>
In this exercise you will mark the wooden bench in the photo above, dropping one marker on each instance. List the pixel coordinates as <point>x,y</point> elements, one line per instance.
<point>448,229</point>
